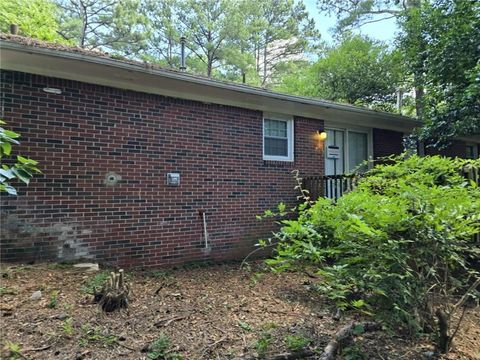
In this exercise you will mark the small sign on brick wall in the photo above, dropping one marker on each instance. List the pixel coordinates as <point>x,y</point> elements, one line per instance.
<point>173,179</point>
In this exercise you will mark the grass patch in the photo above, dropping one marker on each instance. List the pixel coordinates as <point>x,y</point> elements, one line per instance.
<point>263,343</point>
<point>60,266</point>
<point>160,350</point>
<point>95,335</point>
<point>160,274</point>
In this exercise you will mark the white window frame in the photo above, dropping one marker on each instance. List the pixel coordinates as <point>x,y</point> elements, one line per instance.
<point>290,136</point>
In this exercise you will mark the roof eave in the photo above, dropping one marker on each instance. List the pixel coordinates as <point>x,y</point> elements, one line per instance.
<point>395,119</point>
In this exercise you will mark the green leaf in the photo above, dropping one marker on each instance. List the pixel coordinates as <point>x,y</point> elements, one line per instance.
<point>358,329</point>
<point>10,189</point>
<point>7,148</point>
<point>24,160</point>
<point>7,173</point>
<point>244,326</point>
<point>11,134</point>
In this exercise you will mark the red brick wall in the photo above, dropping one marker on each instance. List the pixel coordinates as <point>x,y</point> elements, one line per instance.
<point>88,131</point>
<point>456,149</point>
<point>387,142</point>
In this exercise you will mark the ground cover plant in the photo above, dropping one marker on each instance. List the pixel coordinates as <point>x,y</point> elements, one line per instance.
<point>402,247</point>
<point>212,312</point>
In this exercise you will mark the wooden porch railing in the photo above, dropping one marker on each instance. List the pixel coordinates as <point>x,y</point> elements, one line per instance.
<point>334,186</point>
<point>329,186</point>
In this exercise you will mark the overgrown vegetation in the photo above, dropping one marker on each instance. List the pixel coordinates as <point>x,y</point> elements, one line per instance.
<point>401,247</point>
<point>95,282</point>
<point>11,169</point>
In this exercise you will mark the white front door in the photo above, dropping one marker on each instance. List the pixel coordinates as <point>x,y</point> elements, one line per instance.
<point>335,152</point>
<point>345,150</point>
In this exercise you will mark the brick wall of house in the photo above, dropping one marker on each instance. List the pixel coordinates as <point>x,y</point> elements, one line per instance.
<point>90,132</point>
<point>456,149</point>
<point>387,142</point>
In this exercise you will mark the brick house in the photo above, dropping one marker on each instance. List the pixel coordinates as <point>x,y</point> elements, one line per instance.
<point>149,167</point>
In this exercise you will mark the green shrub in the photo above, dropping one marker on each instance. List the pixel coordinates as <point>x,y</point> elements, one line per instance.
<point>296,342</point>
<point>399,247</point>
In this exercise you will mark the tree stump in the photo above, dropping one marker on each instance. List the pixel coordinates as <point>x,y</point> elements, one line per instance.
<point>114,293</point>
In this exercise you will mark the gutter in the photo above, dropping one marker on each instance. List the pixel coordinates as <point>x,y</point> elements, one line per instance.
<point>189,78</point>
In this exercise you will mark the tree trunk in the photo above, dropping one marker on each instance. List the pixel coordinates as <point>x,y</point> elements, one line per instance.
<point>265,53</point>
<point>443,342</point>
<point>419,92</point>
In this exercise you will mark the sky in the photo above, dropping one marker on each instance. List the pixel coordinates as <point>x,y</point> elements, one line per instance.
<point>383,30</point>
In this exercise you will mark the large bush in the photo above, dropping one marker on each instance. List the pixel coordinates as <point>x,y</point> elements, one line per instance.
<point>400,246</point>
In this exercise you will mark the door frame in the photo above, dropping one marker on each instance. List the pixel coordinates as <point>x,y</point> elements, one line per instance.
<point>346,130</point>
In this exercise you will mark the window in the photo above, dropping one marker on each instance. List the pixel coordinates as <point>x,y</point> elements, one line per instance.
<point>357,150</point>
<point>471,151</point>
<point>277,138</point>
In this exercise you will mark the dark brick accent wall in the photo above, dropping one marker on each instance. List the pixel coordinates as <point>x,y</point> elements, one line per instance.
<point>387,142</point>
<point>456,149</point>
<point>89,132</point>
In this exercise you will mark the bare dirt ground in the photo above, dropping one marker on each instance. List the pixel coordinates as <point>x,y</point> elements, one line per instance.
<point>215,312</point>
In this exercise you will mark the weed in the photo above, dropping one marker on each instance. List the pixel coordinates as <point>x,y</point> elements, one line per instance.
<point>60,266</point>
<point>6,274</point>
<point>159,350</point>
<point>296,342</point>
<point>257,277</point>
<point>263,343</point>
<point>67,306</point>
<point>12,350</point>
<point>53,299</point>
<point>269,326</point>
<point>90,334</point>
<point>160,274</point>
<point>7,291</point>
<point>353,352</point>
<point>67,327</point>
<point>95,282</point>
<point>244,326</point>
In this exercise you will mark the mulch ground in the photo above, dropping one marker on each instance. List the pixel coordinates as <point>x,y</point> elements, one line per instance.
<point>215,312</point>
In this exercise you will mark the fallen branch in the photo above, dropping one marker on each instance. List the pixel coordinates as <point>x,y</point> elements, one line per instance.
<point>46,347</point>
<point>125,346</point>
<point>284,356</point>
<point>293,355</point>
<point>167,321</point>
<point>212,345</point>
<point>343,336</point>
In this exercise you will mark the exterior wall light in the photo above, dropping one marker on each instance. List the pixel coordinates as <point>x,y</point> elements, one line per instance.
<point>52,90</point>
<point>322,135</point>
